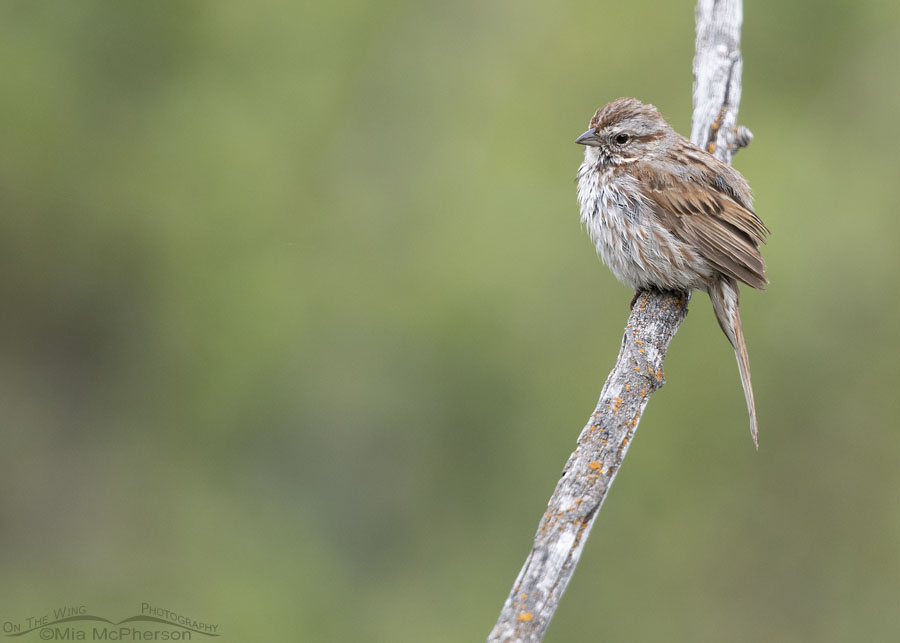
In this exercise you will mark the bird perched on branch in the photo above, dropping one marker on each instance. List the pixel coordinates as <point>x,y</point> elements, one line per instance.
<point>666,215</point>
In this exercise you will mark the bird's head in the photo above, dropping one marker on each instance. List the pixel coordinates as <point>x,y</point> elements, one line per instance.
<point>623,131</point>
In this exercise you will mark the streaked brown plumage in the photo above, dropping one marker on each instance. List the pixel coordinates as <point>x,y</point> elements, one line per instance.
<point>665,214</point>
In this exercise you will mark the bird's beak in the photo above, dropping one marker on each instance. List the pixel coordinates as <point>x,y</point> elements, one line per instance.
<point>588,138</point>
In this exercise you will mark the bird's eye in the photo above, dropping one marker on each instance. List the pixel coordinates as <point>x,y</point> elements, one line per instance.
<point>621,139</point>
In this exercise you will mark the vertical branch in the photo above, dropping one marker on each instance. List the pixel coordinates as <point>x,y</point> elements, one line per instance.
<point>717,78</point>
<point>604,441</point>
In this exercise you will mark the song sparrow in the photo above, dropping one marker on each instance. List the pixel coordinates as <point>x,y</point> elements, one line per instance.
<point>666,215</point>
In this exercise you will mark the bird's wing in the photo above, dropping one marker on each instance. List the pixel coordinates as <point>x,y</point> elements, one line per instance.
<point>712,214</point>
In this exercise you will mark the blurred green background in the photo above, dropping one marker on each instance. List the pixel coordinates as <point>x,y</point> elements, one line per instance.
<point>300,325</point>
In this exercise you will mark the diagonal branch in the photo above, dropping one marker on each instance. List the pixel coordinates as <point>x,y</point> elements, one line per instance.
<point>591,469</point>
<point>654,319</point>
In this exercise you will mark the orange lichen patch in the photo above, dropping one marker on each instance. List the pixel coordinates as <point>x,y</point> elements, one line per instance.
<point>592,476</point>
<point>634,420</point>
<point>524,596</point>
<point>582,525</point>
<point>641,350</point>
<point>618,402</point>
<point>717,124</point>
<point>643,392</point>
<point>627,387</point>
<point>577,501</point>
<point>595,465</point>
<point>711,148</point>
<point>549,521</point>
<point>638,342</point>
<point>659,374</point>
<point>524,617</point>
<point>637,369</point>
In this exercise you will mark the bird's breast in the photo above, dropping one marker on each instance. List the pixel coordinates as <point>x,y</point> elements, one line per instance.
<point>629,238</point>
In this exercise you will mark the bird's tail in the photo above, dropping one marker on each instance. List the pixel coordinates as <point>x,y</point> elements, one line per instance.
<point>724,295</point>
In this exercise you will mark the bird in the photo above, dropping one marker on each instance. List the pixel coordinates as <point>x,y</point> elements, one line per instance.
<point>665,214</point>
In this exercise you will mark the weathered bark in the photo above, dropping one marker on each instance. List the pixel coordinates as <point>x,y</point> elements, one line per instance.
<point>655,318</point>
<point>717,78</point>
<point>591,469</point>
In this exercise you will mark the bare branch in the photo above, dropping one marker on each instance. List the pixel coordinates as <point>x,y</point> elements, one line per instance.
<point>654,319</point>
<point>591,469</point>
<point>717,78</point>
